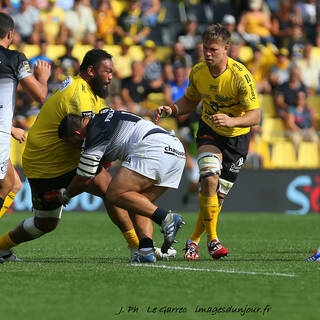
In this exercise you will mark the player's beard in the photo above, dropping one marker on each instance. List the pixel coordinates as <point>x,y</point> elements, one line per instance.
<point>98,87</point>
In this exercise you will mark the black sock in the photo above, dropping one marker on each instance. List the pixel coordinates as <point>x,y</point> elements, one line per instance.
<point>145,243</point>
<point>159,215</point>
<point>1,203</point>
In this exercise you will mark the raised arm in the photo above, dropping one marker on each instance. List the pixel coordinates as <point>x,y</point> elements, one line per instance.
<point>36,85</point>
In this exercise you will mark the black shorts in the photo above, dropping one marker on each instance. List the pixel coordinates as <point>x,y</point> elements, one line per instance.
<point>234,149</point>
<point>44,191</point>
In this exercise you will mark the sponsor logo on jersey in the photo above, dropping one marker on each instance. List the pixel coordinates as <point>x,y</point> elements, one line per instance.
<point>213,87</point>
<point>27,67</point>
<point>253,95</point>
<point>4,166</point>
<point>246,76</point>
<point>237,66</point>
<point>65,83</point>
<point>88,114</point>
<point>83,88</point>
<point>174,152</point>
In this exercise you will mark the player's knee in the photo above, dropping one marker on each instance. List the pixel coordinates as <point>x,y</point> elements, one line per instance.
<point>209,165</point>
<point>29,226</point>
<point>112,197</point>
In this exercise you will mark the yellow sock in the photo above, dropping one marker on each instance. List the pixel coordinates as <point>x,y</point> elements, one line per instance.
<point>7,203</point>
<point>209,210</point>
<point>6,243</point>
<point>198,229</point>
<point>132,238</point>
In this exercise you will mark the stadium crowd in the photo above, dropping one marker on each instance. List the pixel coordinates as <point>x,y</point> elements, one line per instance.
<point>157,42</point>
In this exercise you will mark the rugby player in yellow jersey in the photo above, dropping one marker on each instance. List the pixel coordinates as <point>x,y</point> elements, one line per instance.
<point>50,164</point>
<point>230,107</point>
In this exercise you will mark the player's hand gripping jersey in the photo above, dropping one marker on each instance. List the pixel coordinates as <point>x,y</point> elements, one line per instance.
<point>232,93</point>
<point>45,155</point>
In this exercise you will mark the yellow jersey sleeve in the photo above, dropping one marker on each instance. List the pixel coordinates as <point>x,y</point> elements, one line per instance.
<point>192,92</point>
<point>45,154</point>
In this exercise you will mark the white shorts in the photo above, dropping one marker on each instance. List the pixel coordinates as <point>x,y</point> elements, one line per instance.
<point>160,157</point>
<point>5,140</point>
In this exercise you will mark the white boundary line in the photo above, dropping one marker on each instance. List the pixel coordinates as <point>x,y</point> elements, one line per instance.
<point>275,274</point>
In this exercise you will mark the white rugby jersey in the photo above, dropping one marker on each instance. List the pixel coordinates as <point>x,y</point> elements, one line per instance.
<point>14,66</point>
<point>110,135</point>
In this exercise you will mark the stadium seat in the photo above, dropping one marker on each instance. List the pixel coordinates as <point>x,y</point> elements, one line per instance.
<point>308,155</point>
<point>283,155</point>
<point>79,50</point>
<point>136,53</point>
<point>272,130</point>
<point>267,105</point>
<point>262,148</point>
<point>31,50</point>
<point>114,50</point>
<point>54,51</point>
<point>314,102</point>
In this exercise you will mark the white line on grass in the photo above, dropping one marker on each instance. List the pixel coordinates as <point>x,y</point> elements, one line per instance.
<point>275,274</point>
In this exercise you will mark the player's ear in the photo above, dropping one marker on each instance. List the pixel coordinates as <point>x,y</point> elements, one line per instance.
<point>90,71</point>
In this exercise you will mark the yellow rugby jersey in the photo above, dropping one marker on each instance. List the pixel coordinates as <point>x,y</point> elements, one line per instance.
<point>45,154</point>
<point>233,93</point>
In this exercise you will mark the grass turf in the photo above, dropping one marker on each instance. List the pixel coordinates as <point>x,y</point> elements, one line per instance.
<point>82,271</point>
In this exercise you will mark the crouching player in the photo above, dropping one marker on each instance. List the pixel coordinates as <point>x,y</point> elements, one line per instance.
<point>152,160</point>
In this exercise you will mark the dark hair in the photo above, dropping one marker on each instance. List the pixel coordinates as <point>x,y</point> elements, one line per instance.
<point>93,58</point>
<point>6,24</point>
<point>68,125</point>
<point>216,32</point>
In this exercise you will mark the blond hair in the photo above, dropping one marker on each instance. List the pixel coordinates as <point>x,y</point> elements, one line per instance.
<point>216,32</point>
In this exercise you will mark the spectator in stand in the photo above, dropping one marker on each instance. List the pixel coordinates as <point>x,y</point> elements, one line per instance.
<point>285,94</point>
<point>308,13</point>
<point>229,21</point>
<point>279,73</point>
<point>175,89</point>
<point>27,23</point>
<point>190,37</point>
<point>131,23</point>
<point>68,62</point>
<point>301,121</point>
<point>281,22</point>
<point>123,62</point>
<point>254,25</point>
<point>178,54</point>
<point>310,69</point>
<point>81,24</point>
<point>65,4</point>
<point>56,78</point>
<point>199,56</point>
<point>106,21</point>
<point>135,90</point>
<point>153,71</point>
<point>297,42</point>
<point>234,52</point>
<point>259,68</point>
<point>43,53</point>
<point>53,26</point>
<point>150,9</point>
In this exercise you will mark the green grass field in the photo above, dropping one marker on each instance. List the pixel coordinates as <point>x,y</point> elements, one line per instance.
<point>82,271</point>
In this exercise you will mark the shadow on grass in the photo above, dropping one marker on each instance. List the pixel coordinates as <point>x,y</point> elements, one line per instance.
<point>88,260</point>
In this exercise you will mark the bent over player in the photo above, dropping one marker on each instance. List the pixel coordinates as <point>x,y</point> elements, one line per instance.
<point>230,107</point>
<point>152,161</point>
<point>50,164</point>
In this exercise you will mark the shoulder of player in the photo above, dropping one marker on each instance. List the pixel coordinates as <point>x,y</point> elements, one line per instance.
<point>239,70</point>
<point>198,67</point>
<point>11,55</point>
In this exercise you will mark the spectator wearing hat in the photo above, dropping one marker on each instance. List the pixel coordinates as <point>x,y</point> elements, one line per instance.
<point>153,67</point>
<point>132,23</point>
<point>27,23</point>
<point>229,21</point>
<point>279,73</point>
<point>68,62</point>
